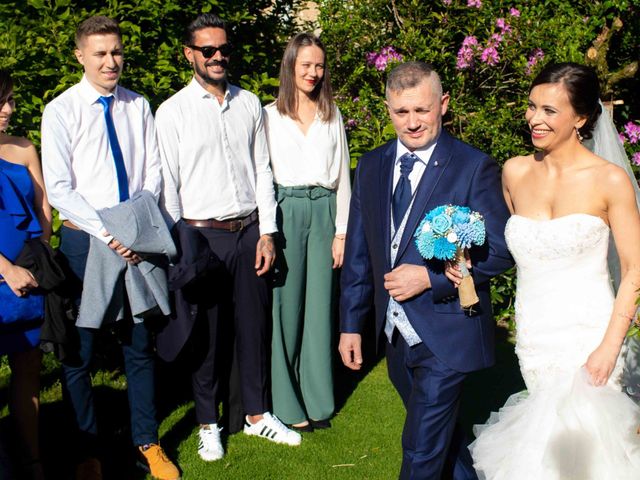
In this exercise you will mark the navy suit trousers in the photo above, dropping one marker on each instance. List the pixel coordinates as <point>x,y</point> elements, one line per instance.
<point>431,439</point>
<point>234,294</point>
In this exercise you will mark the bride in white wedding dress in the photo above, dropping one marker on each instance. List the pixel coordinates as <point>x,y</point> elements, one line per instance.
<point>573,422</point>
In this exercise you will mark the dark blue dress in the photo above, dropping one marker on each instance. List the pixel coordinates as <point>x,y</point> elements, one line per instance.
<point>18,223</point>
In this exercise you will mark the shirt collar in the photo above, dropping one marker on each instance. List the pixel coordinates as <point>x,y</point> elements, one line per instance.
<point>91,95</point>
<point>423,154</point>
<point>203,93</point>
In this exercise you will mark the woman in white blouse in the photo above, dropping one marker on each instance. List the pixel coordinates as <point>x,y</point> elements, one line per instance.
<point>310,163</point>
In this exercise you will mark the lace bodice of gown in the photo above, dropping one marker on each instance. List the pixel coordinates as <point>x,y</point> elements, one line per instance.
<point>564,296</point>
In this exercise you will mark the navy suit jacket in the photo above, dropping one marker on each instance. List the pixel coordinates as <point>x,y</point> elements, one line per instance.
<point>456,174</point>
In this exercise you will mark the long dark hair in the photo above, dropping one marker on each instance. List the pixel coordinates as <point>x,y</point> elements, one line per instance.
<point>583,88</point>
<point>6,86</point>
<point>287,103</point>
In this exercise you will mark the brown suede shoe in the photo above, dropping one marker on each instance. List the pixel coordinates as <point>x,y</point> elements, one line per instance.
<point>89,469</point>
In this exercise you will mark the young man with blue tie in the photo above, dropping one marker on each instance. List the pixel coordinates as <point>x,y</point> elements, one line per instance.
<point>98,149</point>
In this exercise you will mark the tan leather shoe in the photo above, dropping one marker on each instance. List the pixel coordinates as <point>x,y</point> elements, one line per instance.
<point>156,462</point>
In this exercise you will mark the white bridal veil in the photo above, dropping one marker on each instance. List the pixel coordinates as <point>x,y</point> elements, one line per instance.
<point>606,144</point>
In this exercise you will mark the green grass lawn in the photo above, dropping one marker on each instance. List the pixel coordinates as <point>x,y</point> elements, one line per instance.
<point>363,443</point>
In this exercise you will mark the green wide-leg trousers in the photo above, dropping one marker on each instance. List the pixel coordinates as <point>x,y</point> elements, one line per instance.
<point>301,367</point>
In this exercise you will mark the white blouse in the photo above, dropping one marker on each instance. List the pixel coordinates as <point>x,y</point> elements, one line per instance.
<point>319,158</point>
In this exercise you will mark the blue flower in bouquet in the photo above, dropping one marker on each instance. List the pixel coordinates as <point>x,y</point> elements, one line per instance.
<point>441,223</point>
<point>479,231</point>
<point>447,229</point>
<point>425,244</point>
<point>443,249</point>
<point>434,213</point>
<point>465,233</point>
<point>461,215</point>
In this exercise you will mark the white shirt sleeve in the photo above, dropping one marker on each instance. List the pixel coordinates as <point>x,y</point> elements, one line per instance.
<point>152,174</point>
<point>265,194</point>
<point>168,143</point>
<point>343,189</point>
<point>58,176</point>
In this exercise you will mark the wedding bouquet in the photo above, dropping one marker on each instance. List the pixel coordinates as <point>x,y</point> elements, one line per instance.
<point>444,234</point>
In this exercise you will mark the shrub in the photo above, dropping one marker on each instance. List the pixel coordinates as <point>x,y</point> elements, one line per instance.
<point>486,52</point>
<point>37,44</point>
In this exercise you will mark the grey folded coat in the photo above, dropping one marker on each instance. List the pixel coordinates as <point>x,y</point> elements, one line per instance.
<point>109,279</point>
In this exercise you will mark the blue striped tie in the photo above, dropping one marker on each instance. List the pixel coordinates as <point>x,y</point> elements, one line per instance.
<point>402,193</point>
<point>121,171</point>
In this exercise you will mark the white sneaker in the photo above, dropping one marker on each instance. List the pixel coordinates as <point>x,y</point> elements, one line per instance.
<point>210,447</point>
<point>271,428</point>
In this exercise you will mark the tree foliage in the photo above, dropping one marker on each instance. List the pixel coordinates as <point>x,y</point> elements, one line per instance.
<point>37,45</point>
<point>487,53</point>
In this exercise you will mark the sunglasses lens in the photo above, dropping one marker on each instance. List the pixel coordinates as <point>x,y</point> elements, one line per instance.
<point>208,52</point>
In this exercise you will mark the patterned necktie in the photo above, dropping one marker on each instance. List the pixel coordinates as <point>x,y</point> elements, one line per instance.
<point>402,193</point>
<point>121,171</point>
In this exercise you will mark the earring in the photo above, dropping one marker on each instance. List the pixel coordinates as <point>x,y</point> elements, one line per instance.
<point>579,135</point>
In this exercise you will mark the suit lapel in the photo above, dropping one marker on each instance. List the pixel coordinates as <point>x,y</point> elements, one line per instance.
<point>387,162</point>
<point>439,161</point>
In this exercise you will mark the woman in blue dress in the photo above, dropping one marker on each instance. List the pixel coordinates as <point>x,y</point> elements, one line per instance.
<point>24,214</point>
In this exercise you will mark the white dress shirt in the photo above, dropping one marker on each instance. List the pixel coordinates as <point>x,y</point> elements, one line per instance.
<point>77,163</point>
<point>319,158</point>
<point>215,160</point>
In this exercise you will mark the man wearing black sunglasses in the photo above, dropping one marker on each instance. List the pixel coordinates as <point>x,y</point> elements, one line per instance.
<point>218,188</point>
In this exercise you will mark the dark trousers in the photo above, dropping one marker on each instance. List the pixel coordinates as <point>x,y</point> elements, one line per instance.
<point>236,294</point>
<point>432,442</point>
<point>139,362</point>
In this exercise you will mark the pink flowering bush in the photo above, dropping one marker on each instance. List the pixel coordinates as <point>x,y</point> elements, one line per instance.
<point>386,56</point>
<point>487,52</point>
<point>630,138</point>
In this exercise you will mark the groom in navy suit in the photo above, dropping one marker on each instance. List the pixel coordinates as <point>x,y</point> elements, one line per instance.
<point>431,343</point>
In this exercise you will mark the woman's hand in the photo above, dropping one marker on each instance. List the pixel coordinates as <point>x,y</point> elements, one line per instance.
<point>452,270</point>
<point>337,250</point>
<point>601,362</point>
<point>20,280</point>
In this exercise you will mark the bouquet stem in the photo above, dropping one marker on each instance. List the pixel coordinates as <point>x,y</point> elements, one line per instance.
<point>466,289</point>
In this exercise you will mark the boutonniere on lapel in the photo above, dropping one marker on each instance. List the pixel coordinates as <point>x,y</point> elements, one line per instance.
<point>444,234</point>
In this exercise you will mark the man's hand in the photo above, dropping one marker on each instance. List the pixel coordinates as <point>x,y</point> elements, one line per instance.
<point>350,349</point>
<point>406,281</point>
<point>129,255</point>
<point>337,250</point>
<point>265,254</point>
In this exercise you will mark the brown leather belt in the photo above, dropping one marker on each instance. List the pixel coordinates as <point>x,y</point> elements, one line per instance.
<point>68,224</point>
<point>231,225</point>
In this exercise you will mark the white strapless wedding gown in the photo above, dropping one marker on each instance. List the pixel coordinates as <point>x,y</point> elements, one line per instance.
<point>561,428</point>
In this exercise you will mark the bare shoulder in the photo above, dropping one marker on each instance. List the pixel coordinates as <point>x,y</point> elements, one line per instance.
<point>516,167</point>
<point>18,150</point>
<point>611,176</point>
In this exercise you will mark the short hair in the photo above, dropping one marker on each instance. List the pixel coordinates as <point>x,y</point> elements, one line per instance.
<point>409,75</point>
<point>6,86</point>
<point>286,103</point>
<point>204,20</point>
<point>583,89</point>
<point>98,25</point>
